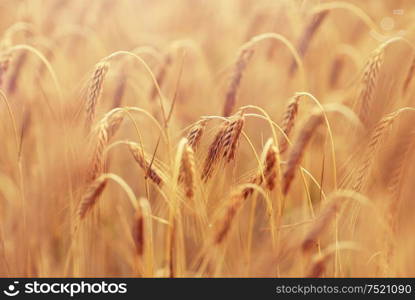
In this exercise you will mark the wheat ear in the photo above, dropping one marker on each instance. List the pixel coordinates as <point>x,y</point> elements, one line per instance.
<point>373,146</point>
<point>231,136</point>
<point>214,151</point>
<point>308,34</point>
<point>187,171</point>
<point>5,58</point>
<point>224,225</point>
<point>239,68</point>
<point>368,82</point>
<point>195,134</point>
<point>288,121</point>
<point>94,91</point>
<point>151,171</point>
<point>104,131</point>
<point>91,195</point>
<point>321,224</point>
<point>299,147</point>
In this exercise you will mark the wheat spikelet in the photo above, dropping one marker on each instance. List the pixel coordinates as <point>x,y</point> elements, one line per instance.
<point>224,225</point>
<point>214,151</point>
<point>105,130</point>
<point>374,143</point>
<point>91,195</point>
<point>187,171</point>
<point>270,163</point>
<point>288,121</point>
<point>94,91</point>
<point>308,35</point>
<point>231,93</point>
<point>408,79</point>
<point>231,136</point>
<point>195,134</point>
<point>150,171</point>
<point>369,80</point>
<point>298,148</point>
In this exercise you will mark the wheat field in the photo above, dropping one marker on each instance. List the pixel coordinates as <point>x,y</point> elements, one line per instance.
<point>207,138</point>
